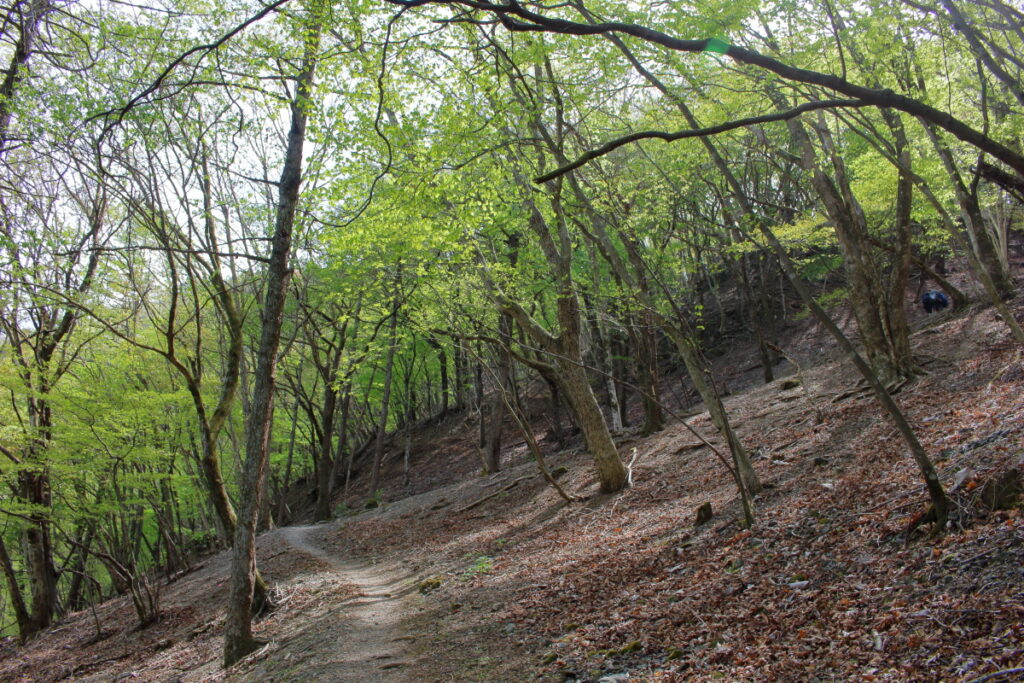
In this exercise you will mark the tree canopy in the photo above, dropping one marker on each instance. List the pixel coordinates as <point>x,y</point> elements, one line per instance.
<point>245,247</point>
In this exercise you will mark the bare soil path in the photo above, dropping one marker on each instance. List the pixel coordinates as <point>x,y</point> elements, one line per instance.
<point>366,637</point>
<point>829,585</point>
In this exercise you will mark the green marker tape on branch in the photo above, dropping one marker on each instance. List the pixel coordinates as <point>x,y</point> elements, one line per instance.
<point>716,45</point>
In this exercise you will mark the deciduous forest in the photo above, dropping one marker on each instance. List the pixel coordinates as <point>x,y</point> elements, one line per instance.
<point>460,340</point>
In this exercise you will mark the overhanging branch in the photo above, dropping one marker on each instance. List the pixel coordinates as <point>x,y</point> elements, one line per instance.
<point>696,133</point>
<point>118,113</point>
<point>519,17</point>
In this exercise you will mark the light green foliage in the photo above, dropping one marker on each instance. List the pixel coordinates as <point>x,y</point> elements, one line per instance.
<point>417,202</point>
<point>833,298</point>
<point>481,565</point>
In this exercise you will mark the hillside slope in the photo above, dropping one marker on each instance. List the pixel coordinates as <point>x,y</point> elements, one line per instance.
<point>498,579</point>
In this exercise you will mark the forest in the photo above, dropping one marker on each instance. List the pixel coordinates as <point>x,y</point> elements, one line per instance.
<point>273,264</point>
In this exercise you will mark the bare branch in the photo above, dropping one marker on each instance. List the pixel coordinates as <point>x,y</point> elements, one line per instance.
<point>697,132</point>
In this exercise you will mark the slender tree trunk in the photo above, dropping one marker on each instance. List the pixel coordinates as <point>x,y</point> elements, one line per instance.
<point>442,363</point>
<point>479,384</point>
<point>556,414</point>
<point>894,315</point>
<point>238,640</point>
<point>604,358</point>
<point>75,600</point>
<point>214,478</point>
<point>754,319</point>
<point>385,401</point>
<point>407,448</point>
<point>460,377</point>
<point>931,478</point>
<point>283,503</point>
<point>986,250</point>
<point>645,337</point>
<point>342,447</point>
<point>503,381</point>
<point>621,352</point>
<point>576,388</point>
<point>325,460</point>
<point>21,615</point>
<point>565,350</point>
<point>700,375</point>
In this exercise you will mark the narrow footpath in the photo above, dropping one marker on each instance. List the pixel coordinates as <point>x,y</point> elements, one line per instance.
<point>367,637</point>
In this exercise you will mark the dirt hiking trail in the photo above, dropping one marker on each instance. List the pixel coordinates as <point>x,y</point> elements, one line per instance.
<point>488,579</point>
<point>364,637</point>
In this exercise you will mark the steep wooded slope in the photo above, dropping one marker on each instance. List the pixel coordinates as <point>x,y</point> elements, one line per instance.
<point>483,587</point>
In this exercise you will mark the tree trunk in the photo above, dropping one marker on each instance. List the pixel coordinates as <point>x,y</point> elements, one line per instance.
<point>34,488</point>
<point>238,640</point>
<point>491,428</point>
<point>753,317</point>
<point>931,478</point>
<point>385,401</point>
<point>283,503</point>
<point>644,335</point>
<point>21,615</point>
<point>575,385</point>
<point>75,599</point>
<point>885,339</point>
<point>407,448</point>
<point>565,349</point>
<point>442,363</point>
<point>342,447</point>
<point>700,375</point>
<point>894,315</point>
<point>325,460</point>
<point>460,377</point>
<point>604,359</point>
<point>981,242</point>
<point>213,475</point>
<point>491,455</point>
<point>556,414</point>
